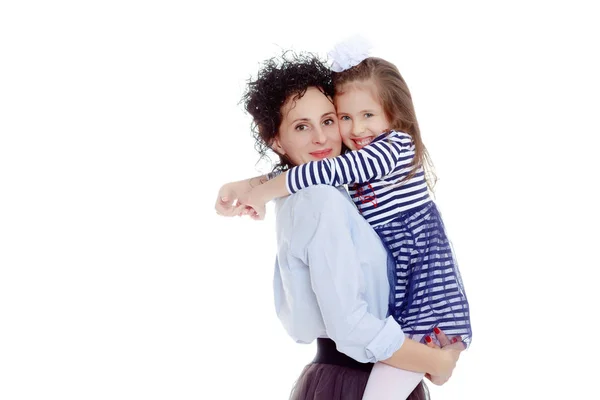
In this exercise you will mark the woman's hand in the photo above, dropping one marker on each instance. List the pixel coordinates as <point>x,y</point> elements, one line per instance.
<point>451,352</point>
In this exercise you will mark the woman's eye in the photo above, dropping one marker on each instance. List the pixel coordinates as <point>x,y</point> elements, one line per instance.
<point>301,127</point>
<point>345,118</point>
<point>368,115</point>
<point>328,122</point>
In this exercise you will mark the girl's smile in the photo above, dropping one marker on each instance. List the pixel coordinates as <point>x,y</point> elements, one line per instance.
<point>361,115</point>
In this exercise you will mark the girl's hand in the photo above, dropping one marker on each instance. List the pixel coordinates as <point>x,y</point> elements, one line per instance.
<point>452,349</point>
<point>254,204</point>
<point>227,203</point>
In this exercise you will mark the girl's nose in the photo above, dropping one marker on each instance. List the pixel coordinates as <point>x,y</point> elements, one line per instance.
<point>358,129</point>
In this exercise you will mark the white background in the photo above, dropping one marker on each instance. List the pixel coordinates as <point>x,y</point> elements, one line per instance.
<point>119,120</point>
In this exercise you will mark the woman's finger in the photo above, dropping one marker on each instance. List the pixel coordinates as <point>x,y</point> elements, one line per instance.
<point>457,343</point>
<point>441,336</point>
<point>429,342</point>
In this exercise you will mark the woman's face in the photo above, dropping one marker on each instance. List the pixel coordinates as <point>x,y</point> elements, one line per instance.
<point>309,129</point>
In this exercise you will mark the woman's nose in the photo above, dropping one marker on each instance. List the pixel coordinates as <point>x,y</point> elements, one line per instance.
<point>319,136</point>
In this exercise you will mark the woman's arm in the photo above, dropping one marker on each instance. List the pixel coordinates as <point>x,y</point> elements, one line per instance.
<point>414,356</point>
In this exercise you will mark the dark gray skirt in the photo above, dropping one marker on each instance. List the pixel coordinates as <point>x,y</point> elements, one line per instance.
<point>335,376</point>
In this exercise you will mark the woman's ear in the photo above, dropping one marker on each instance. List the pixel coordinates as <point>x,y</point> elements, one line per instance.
<point>276,147</point>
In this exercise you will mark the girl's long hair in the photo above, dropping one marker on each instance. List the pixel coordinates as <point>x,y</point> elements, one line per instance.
<point>397,104</point>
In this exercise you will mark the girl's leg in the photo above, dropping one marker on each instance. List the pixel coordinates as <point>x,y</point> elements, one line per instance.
<point>387,382</point>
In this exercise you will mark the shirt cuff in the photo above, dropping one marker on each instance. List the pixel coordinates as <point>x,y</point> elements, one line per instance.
<point>387,342</point>
<point>288,179</point>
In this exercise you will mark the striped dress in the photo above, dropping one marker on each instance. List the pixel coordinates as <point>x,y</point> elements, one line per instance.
<point>426,288</point>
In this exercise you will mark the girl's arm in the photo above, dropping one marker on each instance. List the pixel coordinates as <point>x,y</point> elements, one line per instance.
<point>374,161</point>
<point>231,192</point>
<point>378,159</point>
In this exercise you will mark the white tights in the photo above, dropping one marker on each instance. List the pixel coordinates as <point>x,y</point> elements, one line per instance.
<point>387,382</point>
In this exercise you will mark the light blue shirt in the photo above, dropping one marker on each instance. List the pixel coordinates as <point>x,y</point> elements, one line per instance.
<point>331,275</point>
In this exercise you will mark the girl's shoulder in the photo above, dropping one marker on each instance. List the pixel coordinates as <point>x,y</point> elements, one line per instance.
<point>396,136</point>
<point>400,135</point>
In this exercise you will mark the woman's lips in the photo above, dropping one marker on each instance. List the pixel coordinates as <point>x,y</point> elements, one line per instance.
<point>321,153</point>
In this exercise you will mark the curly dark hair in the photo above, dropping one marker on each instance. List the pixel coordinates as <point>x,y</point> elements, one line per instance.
<point>280,79</point>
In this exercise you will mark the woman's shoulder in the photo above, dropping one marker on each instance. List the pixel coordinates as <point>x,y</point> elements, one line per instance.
<point>317,191</point>
<point>319,195</point>
<point>318,199</point>
<point>316,208</point>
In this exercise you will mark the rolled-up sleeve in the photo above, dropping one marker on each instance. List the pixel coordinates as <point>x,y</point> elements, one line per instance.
<point>323,240</point>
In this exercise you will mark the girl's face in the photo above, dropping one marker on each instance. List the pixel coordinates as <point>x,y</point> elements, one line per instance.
<point>361,115</point>
<point>309,129</point>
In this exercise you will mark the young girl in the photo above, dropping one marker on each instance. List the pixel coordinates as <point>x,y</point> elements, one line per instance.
<point>385,172</point>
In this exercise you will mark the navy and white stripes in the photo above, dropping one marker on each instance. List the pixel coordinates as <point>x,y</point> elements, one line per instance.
<point>426,286</point>
<point>382,164</point>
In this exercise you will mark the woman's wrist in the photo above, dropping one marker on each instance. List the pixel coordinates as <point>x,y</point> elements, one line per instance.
<point>415,356</point>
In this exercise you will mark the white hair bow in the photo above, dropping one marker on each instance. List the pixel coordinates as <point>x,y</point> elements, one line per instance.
<point>349,53</point>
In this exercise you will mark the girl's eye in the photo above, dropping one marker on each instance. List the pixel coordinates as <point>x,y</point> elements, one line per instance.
<point>328,122</point>
<point>368,115</point>
<point>301,127</point>
<point>345,118</point>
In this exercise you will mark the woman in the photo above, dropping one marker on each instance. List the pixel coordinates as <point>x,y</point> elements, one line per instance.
<point>331,268</point>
